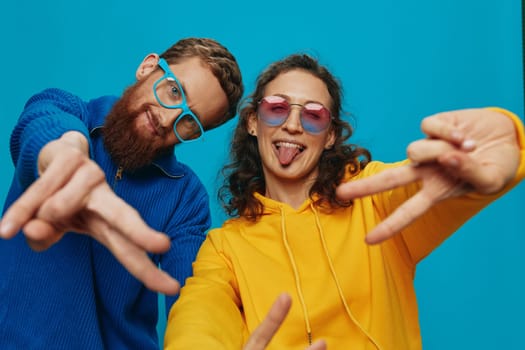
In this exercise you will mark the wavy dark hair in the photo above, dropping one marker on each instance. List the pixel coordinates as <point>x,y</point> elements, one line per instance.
<point>244,175</point>
<point>221,62</point>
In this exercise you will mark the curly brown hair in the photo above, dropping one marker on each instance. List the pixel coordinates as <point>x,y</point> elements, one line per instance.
<point>244,175</point>
<point>221,62</point>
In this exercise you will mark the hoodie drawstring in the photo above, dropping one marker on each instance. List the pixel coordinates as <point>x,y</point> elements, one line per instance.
<point>336,280</point>
<point>297,280</point>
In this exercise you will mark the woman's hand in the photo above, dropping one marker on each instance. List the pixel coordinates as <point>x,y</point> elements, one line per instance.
<point>468,150</point>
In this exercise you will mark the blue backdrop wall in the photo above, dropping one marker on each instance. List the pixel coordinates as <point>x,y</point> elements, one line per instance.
<point>399,61</point>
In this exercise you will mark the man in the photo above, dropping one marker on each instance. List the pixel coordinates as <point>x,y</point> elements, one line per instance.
<point>105,169</point>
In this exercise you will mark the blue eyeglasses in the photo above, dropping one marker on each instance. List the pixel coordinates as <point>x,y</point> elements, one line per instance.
<point>169,93</point>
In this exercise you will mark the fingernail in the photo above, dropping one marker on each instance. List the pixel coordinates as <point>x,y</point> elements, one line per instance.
<point>468,145</point>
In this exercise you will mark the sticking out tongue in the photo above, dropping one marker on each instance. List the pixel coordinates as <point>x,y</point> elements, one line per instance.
<point>287,154</point>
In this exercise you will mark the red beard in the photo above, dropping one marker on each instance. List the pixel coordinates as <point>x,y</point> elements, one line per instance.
<point>127,147</point>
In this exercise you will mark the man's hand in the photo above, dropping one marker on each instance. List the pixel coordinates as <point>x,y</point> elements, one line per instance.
<point>263,334</point>
<point>468,150</point>
<point>71,194</point>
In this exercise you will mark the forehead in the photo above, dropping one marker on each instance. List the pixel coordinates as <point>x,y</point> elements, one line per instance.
<point>300,86</point>
<point>204,93</point>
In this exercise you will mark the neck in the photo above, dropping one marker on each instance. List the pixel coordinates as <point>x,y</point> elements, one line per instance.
<point>292,192</point>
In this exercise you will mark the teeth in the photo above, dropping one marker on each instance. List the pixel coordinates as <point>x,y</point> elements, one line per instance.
<point>289,145</point>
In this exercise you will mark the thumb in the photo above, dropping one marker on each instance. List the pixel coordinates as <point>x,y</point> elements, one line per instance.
<point>264,333</point>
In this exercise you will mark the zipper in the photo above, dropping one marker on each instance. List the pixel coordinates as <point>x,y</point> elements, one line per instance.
<point>118,176</point>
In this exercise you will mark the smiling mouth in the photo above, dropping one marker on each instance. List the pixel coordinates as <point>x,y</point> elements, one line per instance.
<point>287,151</point>
<point>153,123</point>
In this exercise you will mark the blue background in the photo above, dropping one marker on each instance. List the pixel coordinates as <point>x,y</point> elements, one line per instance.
<point>398,60</point>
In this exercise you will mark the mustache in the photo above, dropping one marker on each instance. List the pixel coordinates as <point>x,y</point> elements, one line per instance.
<point>154,119</point>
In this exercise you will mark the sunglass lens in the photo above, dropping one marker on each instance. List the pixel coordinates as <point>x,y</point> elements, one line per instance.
<point>273,110</point>
<point>315,117</point>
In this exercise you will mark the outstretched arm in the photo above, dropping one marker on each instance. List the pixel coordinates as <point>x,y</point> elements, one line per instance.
<point>469,150</point>
<point>71,194</point>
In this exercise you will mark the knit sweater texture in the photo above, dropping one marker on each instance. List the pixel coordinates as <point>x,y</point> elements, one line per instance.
<point>76,295</point>
<point>352,295</point>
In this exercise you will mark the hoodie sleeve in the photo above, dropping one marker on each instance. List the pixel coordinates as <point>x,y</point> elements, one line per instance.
<point>207,314</point>
<point>46,117</point>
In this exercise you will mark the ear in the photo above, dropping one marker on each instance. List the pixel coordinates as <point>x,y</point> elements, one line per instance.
<point>252,124</point>
<point>148,65</point>
<point>330,140</point>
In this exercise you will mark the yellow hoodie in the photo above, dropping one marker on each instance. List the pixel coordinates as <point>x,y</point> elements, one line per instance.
<point>353,295</point>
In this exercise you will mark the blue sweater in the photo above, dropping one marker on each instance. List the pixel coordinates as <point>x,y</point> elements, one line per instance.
<point>76,295</point>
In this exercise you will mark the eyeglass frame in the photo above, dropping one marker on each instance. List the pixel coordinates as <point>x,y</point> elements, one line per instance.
<point>331,117</point>
<point>183,105</point>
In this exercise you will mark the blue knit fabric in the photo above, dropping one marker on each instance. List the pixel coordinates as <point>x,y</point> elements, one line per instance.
<point>76,295</point>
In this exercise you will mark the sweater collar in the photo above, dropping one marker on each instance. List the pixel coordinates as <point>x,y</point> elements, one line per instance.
<point>170,166</point>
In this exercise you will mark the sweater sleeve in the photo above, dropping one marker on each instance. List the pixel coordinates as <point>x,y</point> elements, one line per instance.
<point>189,222</point>
<point>207,314</point>
<point>46,117</point>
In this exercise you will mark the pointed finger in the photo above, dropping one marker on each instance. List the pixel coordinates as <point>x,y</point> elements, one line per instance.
<point>73,196</point>
<point>26,206</point>
<point>383,181</point>
<point>428,150</point>
<point>126,220</point>
<point>443,126</point>
<point>264,333</point>
<point>41,235</point>
<point>403,216</point>
<point>133,258</point>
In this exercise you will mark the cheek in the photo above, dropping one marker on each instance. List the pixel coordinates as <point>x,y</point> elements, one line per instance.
<point>142,96</point>
<point>263,133</point>
<point>265,145</point>
<point>171,139</point>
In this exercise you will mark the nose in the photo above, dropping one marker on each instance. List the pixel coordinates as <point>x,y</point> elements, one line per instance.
<point>169,116</point>
<point>293,123</point>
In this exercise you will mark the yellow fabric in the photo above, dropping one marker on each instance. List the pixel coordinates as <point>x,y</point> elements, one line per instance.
<point>243,266</point>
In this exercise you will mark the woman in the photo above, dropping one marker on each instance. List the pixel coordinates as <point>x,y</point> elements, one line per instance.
<point>300,228</point>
